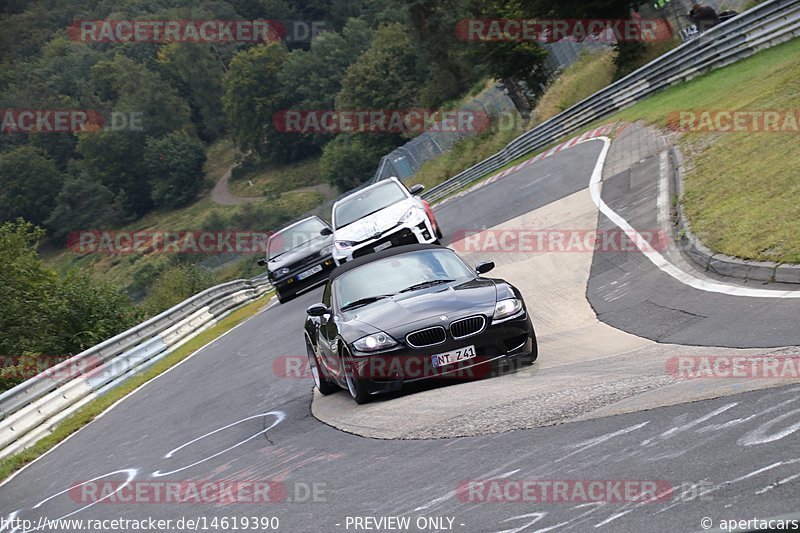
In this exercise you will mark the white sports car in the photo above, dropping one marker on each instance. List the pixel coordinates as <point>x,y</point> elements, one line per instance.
<point>379,216</point>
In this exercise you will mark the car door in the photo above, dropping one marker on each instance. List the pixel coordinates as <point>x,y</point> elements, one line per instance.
<point>327,334</point>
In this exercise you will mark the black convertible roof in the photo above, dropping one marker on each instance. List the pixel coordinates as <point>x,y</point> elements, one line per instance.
<point>389,252</point>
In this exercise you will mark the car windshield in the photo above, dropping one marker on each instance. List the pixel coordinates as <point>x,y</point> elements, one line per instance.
<point>397,273</point>
<point>294,236</point>
<point>369,201</point>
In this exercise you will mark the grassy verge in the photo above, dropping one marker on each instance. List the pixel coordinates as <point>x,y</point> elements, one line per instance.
<point>94,408</point>
<point>742,193</point>
<point>270,180</point>
<point>589,74</point>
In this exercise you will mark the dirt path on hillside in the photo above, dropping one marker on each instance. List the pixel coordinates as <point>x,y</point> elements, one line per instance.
<point>222,195</point>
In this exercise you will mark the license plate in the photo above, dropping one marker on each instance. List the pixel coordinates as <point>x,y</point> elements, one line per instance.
<point>383,246</point>
<point>309,272</point>
<point>448,358</point>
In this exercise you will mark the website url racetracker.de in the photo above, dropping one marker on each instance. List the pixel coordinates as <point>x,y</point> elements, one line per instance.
<point>199,523</point>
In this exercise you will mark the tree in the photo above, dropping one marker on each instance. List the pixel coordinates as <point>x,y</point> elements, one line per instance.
<point>26,290</point>
<point>116,160</point>
<point>446,62</point>
<point>629,52</point>
<point>84,204</point>
<point>175,166</point>
<point>311,79</point>
<point>45,314</point>
<point>350,160</point>
<point>129,87</point>
<point>253,95</point>
<point>383,77</point>
<point>29,183</point>
<point>197,71</point>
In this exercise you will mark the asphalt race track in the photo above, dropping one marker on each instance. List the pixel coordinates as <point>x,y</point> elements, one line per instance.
<point>598,405</point>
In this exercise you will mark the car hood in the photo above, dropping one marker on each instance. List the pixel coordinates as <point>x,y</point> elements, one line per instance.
<point>409,311</point>
<point>376,223</point>
<point>297,255</point>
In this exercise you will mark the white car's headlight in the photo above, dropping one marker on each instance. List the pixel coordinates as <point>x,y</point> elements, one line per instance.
<point>507,308</point>
<point>413,216</point>
<point>375,342</point>
<point>344,245</point>
<point>326,251</point>
<point>282,271</point>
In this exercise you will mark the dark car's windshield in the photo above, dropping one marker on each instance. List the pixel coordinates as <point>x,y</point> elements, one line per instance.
<point>363,203</point>
<point>398,273</point>
<point>294,236</point>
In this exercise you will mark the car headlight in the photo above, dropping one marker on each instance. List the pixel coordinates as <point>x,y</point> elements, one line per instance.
<point>326,251</point>
<point>413,216</point>
<point>344,245</point>
<point>374,342</point>
<point>507,308</point>
<point>281,272</point>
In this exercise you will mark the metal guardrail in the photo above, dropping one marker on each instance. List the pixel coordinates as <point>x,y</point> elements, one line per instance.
<point>31,409</point>
<point>761,27</point>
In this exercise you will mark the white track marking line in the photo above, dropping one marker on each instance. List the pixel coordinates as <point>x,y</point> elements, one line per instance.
<point>656,258</point>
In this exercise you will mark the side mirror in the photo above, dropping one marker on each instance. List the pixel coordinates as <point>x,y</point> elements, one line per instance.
<point>416,189</point>
<point>483,268</point>
<point>262,262</point>
<point>318,310</point>
<point>326,231</point>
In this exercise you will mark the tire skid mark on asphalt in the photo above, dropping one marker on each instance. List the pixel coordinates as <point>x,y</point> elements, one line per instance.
<point>279,417</point>
<point>130,473</point>
<point>596,450</point>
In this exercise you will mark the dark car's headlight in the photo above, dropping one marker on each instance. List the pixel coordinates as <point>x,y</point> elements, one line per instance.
<point>328,250</point>
<point>281,272</point>
<point>345,245</point>
<point>505,309</point>
<point>374,342</point>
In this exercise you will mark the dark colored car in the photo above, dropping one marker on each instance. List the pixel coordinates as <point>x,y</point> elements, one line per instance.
<point>412,313</point>
<point>299,257</point>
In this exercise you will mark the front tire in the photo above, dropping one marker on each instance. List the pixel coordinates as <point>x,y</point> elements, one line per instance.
<point>324,386</point>
<point>355,386</point>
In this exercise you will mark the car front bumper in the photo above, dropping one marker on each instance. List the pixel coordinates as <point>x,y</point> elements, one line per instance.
<point>289,284</point>
<point>422,233</point>
<point>389,371</point>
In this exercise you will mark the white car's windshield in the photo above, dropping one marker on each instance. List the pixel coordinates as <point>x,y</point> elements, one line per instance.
<point>369,201</point>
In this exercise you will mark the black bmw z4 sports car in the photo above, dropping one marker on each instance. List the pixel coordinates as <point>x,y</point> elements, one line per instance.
<point>412,313</point>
